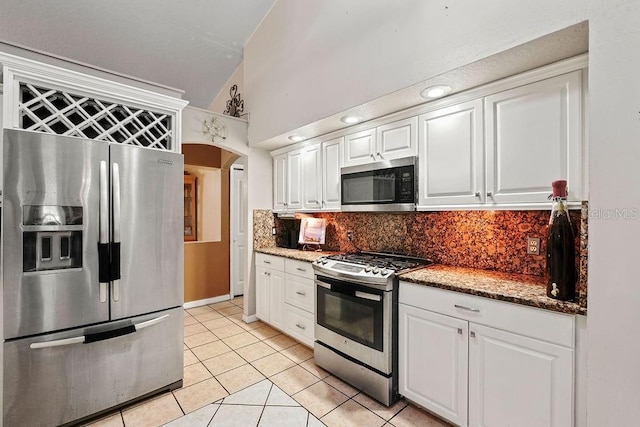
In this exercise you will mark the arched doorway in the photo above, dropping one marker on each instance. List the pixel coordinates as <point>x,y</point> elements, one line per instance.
<point>208,258</point>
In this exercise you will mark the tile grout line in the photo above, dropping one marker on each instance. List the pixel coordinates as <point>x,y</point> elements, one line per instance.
<point>296,363</point>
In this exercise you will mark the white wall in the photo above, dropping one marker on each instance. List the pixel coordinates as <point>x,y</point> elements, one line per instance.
<point>613,321</point>
<point>219,104</point>
<point>309,60</point>
<point>259,196</point>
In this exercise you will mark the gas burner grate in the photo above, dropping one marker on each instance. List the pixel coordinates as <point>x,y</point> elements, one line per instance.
<point>397,263</point>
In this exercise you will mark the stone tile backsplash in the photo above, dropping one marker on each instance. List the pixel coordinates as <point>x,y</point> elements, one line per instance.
<point>488,240</point>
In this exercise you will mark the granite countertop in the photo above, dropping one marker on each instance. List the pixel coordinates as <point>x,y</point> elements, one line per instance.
<point>298,254</point>
<point>517,288</point>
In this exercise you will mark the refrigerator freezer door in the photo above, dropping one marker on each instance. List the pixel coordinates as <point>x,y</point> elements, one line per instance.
<point>59,378</point>
<point>50,233</point>
<point>147,221</point>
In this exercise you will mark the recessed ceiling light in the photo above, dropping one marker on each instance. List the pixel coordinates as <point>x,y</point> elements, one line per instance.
<point>296,138</point>
<point>350,119</point>
<point>435,91</point>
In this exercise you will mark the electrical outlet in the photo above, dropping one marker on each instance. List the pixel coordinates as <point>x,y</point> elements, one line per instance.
<point>350,235</point>
<point>533,245</point>
<point>273,231</point>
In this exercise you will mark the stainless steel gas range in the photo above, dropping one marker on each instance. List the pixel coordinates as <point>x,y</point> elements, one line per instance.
<point>356,325</point>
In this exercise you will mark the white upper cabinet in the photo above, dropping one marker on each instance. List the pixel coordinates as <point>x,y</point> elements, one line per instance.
<point>534,137</point>
<point>499,146</point>
<point>312,177</point>
<point>387,142</point>
<point>450,155</point>
<point>287,181</point>
<point>308,178</point>
<point>331,164</point>
<point>294,180</point>
<point>359,148</point>
<point>397,140</point>
<point>280,182</point>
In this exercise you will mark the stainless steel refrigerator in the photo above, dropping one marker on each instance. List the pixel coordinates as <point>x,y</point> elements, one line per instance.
<point>92,276</point>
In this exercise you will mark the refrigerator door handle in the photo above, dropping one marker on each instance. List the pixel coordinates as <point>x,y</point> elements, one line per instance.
<point>115,246</point>
<point>57,343</point>
<point>103,238</point>
<point>151,322</point>
<point>99,336</point>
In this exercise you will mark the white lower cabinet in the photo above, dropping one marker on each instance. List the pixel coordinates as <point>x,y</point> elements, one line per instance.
<point>435,376</point>
<point>269,291</point>
<point>475,362</point>
<point>285,296</point>
<point>518,381</point>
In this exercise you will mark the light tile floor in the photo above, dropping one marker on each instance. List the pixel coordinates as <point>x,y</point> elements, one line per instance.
<point>239,374</point>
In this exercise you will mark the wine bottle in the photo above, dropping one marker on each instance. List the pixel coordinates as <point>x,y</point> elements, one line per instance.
<point>560,269</point>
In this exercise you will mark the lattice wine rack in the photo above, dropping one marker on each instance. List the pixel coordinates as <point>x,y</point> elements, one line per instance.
<point>62,113</point>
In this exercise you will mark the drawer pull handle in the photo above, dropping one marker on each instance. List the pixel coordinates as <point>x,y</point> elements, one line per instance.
<point>99,336</point>
<point>473,334</point>
<point>460,331</point>
<point>301,293</point>
<point>301,326</point>
<point>267,262</point>
<point>301,269</point>
<point>462,307</point>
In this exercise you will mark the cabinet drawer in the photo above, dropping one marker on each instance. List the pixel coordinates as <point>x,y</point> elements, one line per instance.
<point>557,328</point>
<point>298,292</point>
<point>299,268</point>
<point>299,324</point>
<point>270,261</point>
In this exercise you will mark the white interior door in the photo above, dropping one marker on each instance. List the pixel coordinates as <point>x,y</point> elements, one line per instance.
<point>238,229</point>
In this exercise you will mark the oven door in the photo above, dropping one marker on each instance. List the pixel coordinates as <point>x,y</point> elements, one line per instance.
<point>355,320</point>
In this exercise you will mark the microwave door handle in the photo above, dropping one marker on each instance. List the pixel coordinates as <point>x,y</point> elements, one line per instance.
<point>115,246</point>
<point>103,238</point>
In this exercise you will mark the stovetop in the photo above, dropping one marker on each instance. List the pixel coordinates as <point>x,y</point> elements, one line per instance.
<point>382,261</point>
<point>369,268</point>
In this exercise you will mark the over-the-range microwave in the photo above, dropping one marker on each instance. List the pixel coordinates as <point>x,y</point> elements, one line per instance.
<point>381,186</point>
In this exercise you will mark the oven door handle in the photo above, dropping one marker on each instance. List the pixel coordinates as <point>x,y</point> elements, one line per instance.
<point>324,285</point>
<point>365,295</point>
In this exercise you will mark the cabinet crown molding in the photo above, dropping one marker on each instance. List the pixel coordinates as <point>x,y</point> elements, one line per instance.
<point>23,69</point>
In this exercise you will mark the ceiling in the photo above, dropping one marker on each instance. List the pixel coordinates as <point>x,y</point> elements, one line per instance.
<point>192,45</point>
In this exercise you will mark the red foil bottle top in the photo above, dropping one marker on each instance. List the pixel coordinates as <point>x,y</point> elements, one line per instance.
<point>559,188</point>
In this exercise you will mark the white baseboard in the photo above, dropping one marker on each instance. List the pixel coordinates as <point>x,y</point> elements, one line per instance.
<point>249,319</point>
<point>201,302</point>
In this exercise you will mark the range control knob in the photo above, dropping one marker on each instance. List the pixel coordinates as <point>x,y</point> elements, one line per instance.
<point>376,270</point>
<point>367,269</point>
<point>325,261</point>
<point>384,271</point>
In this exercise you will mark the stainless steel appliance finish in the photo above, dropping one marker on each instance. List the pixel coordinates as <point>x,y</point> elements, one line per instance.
<point>55,380</point>
<point>357,321</point>
<point>92,275</point>
<point>390,185</point>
